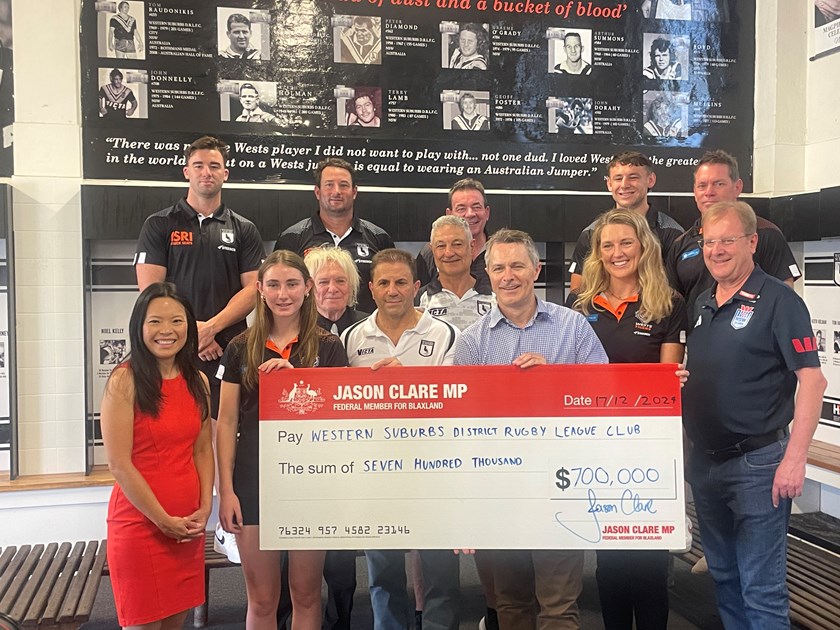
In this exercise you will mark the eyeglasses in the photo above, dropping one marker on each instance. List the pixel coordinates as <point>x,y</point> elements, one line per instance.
<point>726,242</point>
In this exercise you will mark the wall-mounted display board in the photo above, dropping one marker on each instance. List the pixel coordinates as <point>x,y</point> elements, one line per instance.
<point>523,94</point>
<point>7,90</point>
<point>8,380</point>
<point>822,294</point>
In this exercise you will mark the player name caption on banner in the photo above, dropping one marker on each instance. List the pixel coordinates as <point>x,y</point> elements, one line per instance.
<point>482,457</point>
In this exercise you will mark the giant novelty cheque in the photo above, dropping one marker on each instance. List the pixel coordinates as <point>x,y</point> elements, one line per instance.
<point>557,456</point>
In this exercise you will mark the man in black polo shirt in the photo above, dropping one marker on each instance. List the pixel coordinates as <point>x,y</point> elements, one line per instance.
<point>209,252</point>
<point>630,177</point>
<point>751,347</point>
<point>335,223</point>
<point>716,179</point>
<point>468,201</point>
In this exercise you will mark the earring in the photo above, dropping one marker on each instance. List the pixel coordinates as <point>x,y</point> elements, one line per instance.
<point>262,297</point>
<point>306,295</point>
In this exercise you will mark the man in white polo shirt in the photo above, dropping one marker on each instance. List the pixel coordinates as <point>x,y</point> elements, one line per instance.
<point>399,334</point>
<point>455,295</point>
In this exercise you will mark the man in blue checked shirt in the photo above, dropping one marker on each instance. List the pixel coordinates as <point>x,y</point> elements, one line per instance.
<point>533,588</point>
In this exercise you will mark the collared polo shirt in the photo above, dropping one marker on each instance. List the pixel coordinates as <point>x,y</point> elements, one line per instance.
<point>666,229</point>
<point>362,241</point>
<point>556,332</point>
<point>742,357</point>
<point>430,342</point>
<point>203,258</point>
<point>232,368</point>
<point>458,311</point>
<point>626,337</point>
<point>687,270</point>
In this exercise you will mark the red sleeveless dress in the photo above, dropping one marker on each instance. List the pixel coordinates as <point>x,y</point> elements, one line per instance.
<point>154,576</point>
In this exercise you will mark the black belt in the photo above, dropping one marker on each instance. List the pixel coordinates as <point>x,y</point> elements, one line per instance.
<point>752,443</point>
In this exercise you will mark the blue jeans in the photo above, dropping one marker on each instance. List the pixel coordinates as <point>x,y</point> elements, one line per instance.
<point>744,536</point>
<point>389,599</point>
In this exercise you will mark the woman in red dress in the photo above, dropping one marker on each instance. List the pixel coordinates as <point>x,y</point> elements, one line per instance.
<point>157,439</point>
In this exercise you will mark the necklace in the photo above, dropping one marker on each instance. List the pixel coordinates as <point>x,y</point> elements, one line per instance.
<point>620,298</point>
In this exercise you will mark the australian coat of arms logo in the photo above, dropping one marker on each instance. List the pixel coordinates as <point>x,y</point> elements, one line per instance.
<point>301,399</point>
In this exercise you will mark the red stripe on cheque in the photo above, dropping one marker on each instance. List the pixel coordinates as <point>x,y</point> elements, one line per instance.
<point>498,391</point>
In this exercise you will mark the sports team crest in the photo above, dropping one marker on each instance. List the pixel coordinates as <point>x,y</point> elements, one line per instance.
<point>426,348</point>
<point>226,236</point>
<point>742,316</point>
<point>363,250</point>
<point>483,307</point>
<point>837,269</point>
<point>302,399</point>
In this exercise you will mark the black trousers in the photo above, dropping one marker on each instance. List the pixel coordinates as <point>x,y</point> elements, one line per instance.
<point>340,575</point>
<point>632,584</point>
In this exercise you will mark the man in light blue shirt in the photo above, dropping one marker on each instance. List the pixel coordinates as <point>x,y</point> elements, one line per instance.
<point>533,588</point>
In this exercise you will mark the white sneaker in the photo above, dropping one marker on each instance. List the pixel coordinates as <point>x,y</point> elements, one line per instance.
<point>225,544</point>
<point>481,624</point>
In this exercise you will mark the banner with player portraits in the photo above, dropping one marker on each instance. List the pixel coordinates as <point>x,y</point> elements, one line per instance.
<point>523,94</point>
<point>825,36</point>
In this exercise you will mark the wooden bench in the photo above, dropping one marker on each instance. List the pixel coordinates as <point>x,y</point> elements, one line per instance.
<point>51,585</point>
<point>824,455</point>
<point>813,579</point>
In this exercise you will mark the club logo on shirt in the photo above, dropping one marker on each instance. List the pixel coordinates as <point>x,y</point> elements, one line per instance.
<point>362,250</point>
<point>691,253</point>
<point>807,344</point>
<point>438,312</point>
<point>427,347</point>
<point>742,316</point>
<point>179,237</point>
<point>483,307</point>
<point>363,351</point>
<point>643,329</point>
<point>226,236</point>
<point>592,317</point>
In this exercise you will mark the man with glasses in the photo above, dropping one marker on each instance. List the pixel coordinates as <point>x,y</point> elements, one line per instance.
<point>754,368</point>
<point>716,179</point>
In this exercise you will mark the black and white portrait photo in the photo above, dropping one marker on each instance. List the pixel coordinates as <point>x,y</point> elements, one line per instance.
<point>358,106</point>
<point>465,110</point>
<point>666,115</point>
<point>123,93</point>
<point>122,35</point>
<point>667,9</point>
<point>667,57</point>
<point>248,101</point>
<point>244,34</point>
<point>570,51</point>
<point>465,45</point>
<point>357,39</point>
<point>111,351</point>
